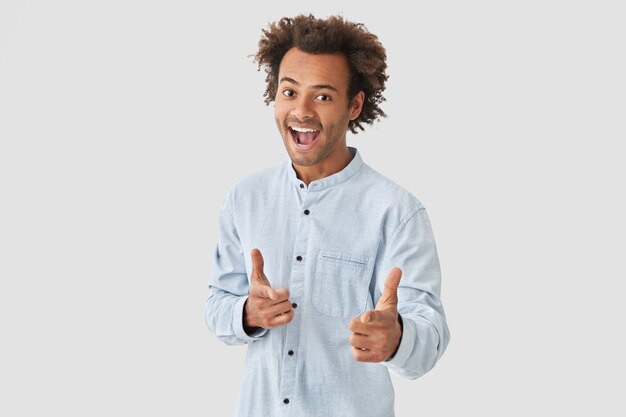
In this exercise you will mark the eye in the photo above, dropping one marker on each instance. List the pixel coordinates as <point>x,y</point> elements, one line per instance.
<point>289,93</point>
<point>324,97</point>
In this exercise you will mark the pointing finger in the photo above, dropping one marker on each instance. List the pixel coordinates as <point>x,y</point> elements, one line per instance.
<point>281,294</point>
<point>263,291</point>
<point>366,317</point>
<point>371,317</point>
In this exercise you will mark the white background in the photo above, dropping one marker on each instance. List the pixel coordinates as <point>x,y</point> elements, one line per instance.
<point>123,123</point>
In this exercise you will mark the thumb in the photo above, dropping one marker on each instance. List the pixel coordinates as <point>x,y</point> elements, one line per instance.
<point>389,296</point>
<point>258,276</point>
<point>259,284</point>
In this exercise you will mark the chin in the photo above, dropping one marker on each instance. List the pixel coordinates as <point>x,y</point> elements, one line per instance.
<point>301,162</point>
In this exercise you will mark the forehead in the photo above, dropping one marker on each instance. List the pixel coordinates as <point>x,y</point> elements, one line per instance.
<point>311,69</point>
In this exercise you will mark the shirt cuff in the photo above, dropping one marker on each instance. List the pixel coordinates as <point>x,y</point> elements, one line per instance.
<point>407,343</point>
<point>238,323</point>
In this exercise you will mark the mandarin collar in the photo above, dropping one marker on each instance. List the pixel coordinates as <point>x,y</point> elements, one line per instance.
<point>345,174</point>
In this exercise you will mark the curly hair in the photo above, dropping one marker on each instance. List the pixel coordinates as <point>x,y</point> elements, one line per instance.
<point>365,54</point>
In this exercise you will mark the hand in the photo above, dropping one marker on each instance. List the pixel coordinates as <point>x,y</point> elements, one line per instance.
<point>265,307</point>
<point>376,334</point>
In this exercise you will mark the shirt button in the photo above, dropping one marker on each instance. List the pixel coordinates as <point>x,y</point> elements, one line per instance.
<point>294,305</point>
<point>286,400</point>
<point>301,185</point>
<point>307,212</point>
<point>299,258</point>
<point>290,353</point>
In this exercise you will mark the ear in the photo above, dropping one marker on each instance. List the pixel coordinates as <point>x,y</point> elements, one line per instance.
<point>356,105</point>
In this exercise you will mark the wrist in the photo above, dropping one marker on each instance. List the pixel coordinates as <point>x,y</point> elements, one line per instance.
<point>248,325</point>
<point>399,340</point>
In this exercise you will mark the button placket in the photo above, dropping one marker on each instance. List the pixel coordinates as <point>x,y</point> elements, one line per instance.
<point>296,288</point>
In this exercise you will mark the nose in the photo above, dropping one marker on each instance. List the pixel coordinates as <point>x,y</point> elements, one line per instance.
<point>302,109</point>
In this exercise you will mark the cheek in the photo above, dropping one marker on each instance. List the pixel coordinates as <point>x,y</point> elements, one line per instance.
<point>279,113</point>
<point>279,124</point>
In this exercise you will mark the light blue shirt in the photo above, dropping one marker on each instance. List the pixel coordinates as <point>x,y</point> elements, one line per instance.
<point>332,244</point>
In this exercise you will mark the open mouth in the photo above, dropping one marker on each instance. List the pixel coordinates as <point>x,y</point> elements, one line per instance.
<point>304,138</point>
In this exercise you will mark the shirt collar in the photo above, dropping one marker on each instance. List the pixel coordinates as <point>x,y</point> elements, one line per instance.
<point>345,174</point>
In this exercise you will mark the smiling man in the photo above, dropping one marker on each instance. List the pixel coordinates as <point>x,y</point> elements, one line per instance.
<point>324,267</point>
<point>313,96</point>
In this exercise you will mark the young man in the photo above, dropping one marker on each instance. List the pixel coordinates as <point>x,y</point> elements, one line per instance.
<point>324,267</point>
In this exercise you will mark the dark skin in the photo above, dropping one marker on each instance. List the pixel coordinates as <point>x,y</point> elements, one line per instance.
<point>313,92</point>
<point>265,307</point>
<point>376,334</point>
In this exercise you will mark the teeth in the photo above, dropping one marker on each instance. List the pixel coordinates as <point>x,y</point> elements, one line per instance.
<point>302,129</point>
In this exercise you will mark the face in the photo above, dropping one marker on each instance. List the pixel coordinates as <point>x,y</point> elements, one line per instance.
<point>312,106</point>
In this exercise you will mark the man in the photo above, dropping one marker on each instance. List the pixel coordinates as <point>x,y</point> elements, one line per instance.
<point>324,267</point>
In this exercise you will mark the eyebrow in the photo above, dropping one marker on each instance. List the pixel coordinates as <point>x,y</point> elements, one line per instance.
<point>316,86</point>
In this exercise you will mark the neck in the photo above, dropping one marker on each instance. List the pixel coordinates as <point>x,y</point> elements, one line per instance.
<point>325,168</point>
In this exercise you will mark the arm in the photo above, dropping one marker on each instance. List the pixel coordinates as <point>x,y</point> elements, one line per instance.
<point>229,286</point>
<point>425,334</point>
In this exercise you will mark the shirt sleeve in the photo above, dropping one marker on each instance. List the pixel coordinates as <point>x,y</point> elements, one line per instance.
<point>425,331</point>
<point>229,285</point>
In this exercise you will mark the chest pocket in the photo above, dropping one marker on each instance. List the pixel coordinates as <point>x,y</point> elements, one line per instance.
<point>341,283</point>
